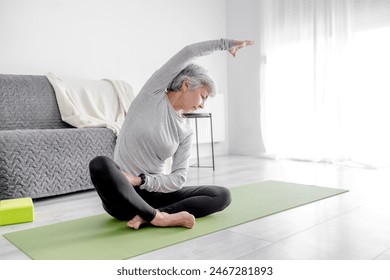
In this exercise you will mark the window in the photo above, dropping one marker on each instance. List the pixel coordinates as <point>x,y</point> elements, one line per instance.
<point>325,90</point>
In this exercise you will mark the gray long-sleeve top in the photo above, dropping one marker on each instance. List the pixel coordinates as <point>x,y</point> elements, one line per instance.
<point>153,131</point>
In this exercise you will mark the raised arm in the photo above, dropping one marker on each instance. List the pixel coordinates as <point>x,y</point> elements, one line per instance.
<point>163,76</point>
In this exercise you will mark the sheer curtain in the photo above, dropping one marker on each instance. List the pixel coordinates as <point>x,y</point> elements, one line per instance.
<point>325,80</point>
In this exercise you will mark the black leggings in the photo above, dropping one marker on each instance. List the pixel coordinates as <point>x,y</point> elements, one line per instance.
<point>123,201</point>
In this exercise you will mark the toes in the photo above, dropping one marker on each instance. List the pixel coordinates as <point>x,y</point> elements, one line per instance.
<point>132,224</point>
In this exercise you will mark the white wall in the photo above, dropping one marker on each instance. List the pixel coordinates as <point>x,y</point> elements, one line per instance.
<point>122,39</point>
<point>243,22</point>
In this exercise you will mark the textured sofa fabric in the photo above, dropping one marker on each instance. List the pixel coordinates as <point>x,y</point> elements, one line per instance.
<point>28,102</point>
<point>40,155</point>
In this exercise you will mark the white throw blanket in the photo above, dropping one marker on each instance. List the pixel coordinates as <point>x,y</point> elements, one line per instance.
<point>92,103</point>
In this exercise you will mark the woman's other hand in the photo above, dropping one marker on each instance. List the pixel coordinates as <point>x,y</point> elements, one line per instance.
<point>134,180</point>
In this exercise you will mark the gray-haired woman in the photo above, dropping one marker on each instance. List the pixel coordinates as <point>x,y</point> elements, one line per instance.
<point>133,187</point>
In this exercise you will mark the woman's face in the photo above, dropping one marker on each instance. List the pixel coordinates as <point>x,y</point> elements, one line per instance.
<point>194,99</point>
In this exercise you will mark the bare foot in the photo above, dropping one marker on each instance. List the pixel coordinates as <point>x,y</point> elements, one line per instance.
<point>136,222</point>
<point>181,219</point>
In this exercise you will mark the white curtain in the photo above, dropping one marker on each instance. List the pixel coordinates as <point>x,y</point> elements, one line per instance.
<point>326,80</point>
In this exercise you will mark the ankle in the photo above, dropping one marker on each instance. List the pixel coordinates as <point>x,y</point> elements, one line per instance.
<point>158,219</point>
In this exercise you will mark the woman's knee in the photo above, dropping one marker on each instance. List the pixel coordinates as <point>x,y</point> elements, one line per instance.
<point>223,197</point>
<point>99,165</point>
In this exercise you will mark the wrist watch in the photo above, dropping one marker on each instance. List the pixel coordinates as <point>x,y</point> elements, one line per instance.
<point>143,177</point>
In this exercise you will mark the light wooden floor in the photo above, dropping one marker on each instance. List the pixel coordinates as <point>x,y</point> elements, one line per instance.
<point>354,225</point>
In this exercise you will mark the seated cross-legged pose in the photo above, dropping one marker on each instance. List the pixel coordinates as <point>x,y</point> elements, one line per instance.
<point>133,187</point>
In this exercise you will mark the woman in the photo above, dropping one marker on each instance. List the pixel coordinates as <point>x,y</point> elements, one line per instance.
<point>134,188</point>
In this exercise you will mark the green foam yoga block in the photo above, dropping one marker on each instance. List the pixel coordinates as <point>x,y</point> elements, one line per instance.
<point>15,211</point>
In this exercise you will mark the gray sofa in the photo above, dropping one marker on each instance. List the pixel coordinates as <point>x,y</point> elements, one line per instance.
<point>40,155</point>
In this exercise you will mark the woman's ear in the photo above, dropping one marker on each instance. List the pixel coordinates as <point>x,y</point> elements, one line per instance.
<point>185,85</point>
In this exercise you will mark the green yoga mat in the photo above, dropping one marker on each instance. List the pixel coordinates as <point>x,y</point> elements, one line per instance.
<point>102,237</point>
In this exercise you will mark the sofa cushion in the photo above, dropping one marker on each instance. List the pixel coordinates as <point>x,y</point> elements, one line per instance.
<point>28,102</point>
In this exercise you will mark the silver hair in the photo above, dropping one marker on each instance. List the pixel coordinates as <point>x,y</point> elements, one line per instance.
<point>196,76</point>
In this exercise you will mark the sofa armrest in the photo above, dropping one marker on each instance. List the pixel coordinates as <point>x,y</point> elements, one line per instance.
<point>41,163</point>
